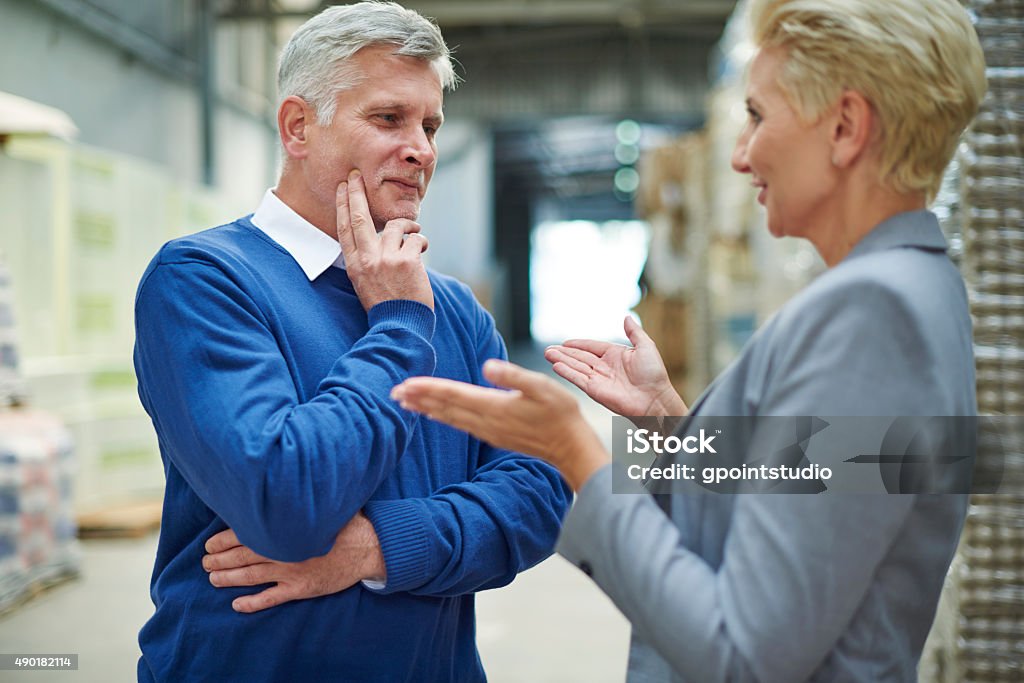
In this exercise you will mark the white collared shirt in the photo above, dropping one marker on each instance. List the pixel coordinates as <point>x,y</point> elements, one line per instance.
<point>311,247</point>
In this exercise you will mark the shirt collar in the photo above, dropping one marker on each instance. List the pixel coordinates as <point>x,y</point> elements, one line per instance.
<point>311,248</point>
<point>916,229</point>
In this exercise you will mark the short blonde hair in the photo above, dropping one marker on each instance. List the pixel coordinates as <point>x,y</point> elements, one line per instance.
<point>920,65</point>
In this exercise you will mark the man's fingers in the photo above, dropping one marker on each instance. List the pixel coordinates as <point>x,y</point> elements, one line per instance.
<point>239,556</point>
<point>363,233</point>
<point>415,242</point>
<point>343,221</point>
<point>251,575</point>
<point>391,236</point>
<point>222,541</point>
<point>271,597</point>
<point>408,227</point>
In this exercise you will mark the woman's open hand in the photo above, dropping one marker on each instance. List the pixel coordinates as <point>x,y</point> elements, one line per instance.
<point>628,380</point>
<point>537,417</point>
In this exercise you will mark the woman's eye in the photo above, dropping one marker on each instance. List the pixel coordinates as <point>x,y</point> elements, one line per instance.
<point>754,116</point>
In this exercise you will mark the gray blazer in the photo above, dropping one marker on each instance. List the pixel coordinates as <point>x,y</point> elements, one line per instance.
<point>760,587</point>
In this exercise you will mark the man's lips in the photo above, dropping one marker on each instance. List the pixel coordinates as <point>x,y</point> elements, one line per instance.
<point>405,182</point>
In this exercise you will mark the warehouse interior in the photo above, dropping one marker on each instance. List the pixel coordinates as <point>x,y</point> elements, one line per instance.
<point>584,175</point>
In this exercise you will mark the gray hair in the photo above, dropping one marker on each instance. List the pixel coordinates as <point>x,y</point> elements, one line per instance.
<point>314,66</point>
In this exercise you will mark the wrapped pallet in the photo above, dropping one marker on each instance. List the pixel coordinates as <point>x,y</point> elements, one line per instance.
<point>979,633</point>
<point>37,529</point>
<point>673,308</point>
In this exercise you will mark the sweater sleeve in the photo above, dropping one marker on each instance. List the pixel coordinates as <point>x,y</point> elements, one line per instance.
<point>285,475</point>
<point>478,534</point>
<point>796,568</point>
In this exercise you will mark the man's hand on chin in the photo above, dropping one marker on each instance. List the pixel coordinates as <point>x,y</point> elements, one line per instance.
<point>355,557</point>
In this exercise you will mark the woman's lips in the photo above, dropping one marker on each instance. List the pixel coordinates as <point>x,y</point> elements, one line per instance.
<point>757,184</point>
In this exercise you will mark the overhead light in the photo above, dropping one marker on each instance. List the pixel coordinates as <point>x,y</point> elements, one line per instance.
<point>627,132</point>
<point>626,155</point>
<point>627,180</point>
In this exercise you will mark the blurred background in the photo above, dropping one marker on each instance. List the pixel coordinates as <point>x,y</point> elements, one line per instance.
<point>583,176</point>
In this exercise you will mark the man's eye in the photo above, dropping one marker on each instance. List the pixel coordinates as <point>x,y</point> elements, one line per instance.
<point>388,118</point>
<point>431,131</point>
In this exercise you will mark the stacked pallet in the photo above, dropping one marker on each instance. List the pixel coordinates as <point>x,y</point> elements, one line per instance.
<point>979,635</point>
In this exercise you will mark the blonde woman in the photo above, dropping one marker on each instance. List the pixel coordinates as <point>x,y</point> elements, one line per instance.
<point>855,108</point>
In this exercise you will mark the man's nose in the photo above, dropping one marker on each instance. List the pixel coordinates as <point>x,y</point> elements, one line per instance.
<point>419,150</point>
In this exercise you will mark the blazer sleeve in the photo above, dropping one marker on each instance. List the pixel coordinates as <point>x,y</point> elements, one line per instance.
<point>795,567</point>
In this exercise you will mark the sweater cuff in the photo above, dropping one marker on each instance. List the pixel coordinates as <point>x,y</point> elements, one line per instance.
<point>417,317</point>
<point>402,534</point>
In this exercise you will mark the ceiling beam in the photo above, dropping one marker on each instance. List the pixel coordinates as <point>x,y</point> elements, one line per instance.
<point>458,13</point>
<point>455,13</point>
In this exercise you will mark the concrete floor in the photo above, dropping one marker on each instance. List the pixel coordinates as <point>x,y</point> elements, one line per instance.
<point>552,625</point>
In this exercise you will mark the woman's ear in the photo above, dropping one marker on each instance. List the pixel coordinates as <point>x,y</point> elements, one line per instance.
<point>293,117</point>
<point>851,134</point>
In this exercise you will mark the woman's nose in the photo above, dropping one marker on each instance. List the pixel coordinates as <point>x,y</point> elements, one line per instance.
<point>739,153</point>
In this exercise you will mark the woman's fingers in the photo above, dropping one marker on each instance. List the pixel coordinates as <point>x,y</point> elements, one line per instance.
<point>471,416</point>
<point>582,361</point>
<point>594,346</point>
<point>578,378</point>
<point>463,406</point>
<point>511,376</point>
<point>635,333</point>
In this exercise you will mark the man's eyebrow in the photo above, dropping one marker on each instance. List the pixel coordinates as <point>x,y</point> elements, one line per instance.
<point>398,106</point>
<point>401,107</point>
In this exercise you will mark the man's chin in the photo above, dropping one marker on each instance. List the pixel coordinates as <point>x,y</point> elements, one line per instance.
<point>380,221</point>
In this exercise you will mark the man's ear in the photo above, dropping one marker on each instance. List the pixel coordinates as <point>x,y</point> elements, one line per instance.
<point>853,123</point>
<point>293,119</point>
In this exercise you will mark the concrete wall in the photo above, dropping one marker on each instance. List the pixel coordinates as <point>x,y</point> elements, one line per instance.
<point>122,104</point>
<point>457,213</point>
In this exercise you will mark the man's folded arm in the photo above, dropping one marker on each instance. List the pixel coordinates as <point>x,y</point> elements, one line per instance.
<point>477,534</point>
<point>285,475</point>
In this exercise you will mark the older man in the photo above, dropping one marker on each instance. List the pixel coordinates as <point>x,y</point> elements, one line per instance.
<point>266,366</point>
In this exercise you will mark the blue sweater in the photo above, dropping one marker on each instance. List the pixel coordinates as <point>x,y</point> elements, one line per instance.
<point>270,398</point>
